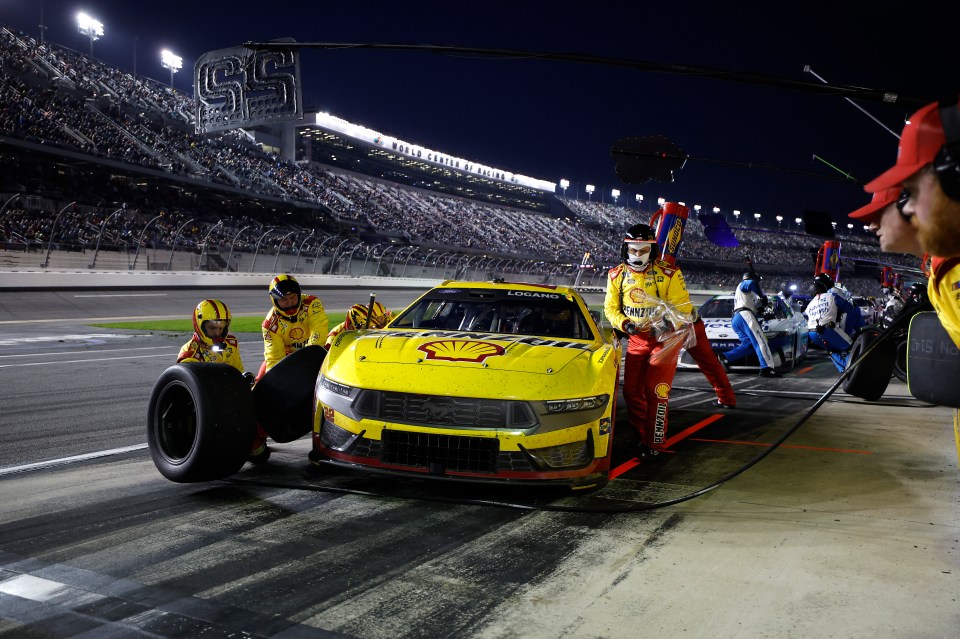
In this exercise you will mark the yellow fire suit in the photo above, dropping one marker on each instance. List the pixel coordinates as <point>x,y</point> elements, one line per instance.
<point>943,289</point>
<point>282,335</point>
<point>635,296</point>
<point>197,351</point>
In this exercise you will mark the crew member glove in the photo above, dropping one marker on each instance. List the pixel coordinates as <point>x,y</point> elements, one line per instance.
<point>629,328</point>
<point>250,378</point>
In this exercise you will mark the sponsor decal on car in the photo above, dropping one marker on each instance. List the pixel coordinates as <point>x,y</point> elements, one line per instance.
<point>456,350</point>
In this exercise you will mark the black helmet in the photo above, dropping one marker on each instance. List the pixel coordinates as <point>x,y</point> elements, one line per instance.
<point>822,283</point>
<point>640,233</point>
<point>283,285</point>
<point>747,276</point>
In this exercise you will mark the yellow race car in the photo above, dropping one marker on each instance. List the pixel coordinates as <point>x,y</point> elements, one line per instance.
<point>474,381</point>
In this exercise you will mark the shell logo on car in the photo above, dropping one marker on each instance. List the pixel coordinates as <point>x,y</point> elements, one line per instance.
<point>458,350</point>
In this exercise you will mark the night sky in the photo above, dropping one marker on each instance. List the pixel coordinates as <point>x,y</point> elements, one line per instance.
<point>553,120</point>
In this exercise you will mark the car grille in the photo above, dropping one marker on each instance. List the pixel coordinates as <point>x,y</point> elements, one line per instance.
<point>440,410</point>
<point>418,450</point>
<point>440,452</point>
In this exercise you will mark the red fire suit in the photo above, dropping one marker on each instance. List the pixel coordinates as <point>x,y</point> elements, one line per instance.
<point>634,296</point>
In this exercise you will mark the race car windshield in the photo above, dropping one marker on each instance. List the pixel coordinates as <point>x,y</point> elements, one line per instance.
<point>717,308</point>
<point>556,317</point>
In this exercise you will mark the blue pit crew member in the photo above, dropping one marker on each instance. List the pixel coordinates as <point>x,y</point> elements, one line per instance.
<point>748,303</point>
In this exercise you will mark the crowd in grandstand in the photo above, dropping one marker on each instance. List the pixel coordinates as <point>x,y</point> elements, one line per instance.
<point>59,98</point>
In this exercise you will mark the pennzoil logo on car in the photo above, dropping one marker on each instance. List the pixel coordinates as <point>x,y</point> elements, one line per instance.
<point>458,350</point>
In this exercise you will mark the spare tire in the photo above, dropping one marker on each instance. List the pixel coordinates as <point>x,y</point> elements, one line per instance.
<point>870,378</point>
<point>200,422</point>
<point>284,396</point>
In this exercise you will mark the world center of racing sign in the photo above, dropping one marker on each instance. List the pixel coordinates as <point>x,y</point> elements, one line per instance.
<point>243,87</point>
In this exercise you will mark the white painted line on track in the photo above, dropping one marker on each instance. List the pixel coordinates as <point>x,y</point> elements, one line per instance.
<point>125,295</point>
<point>70,460</point>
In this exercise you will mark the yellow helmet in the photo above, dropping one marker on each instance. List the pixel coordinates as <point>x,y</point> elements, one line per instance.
<point>281,286</point>
<point>357,316</point>
<point>211,316</point>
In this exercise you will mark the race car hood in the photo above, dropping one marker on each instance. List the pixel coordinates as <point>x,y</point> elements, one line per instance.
<point>474,363</point>
<point>722,328</point>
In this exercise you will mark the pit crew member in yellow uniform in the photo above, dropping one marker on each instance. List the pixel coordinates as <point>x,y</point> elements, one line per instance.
<point>643,295</point>
<point>357,318</point>
<point>295,321</point>
<point>211,341</point>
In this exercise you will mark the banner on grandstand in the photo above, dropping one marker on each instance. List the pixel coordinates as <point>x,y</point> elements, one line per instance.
<point>241,87</point>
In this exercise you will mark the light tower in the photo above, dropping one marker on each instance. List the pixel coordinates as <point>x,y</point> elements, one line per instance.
<point>589,189</point>
<point>90,27</point>
<point>170,61</point>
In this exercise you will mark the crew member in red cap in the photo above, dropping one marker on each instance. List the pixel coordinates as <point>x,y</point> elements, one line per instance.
<point>893,229</point>
<point>928,170</point>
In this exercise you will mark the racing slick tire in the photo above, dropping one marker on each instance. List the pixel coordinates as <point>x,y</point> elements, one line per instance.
<point>284,396</point>
<point>900,361</point>
<point>870,378</point>
<point>200,422</point>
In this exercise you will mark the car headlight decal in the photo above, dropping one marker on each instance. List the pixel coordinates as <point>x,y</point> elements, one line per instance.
<point>571,405</point>
<point>335,387</point>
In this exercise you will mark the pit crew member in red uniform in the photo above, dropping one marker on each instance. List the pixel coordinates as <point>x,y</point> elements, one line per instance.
<point>211,341</point>
<point>644,297</point>
<point>357,318</point>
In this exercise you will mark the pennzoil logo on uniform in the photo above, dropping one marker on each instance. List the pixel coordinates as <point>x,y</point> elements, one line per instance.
<point>459,350</point>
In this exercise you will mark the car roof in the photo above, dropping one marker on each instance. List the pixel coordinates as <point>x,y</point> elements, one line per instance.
<point>511,286</point>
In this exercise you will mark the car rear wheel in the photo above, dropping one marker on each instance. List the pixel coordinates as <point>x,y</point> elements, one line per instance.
<point>870,378</point>
<point>900,361</point>
<point>200,422</point>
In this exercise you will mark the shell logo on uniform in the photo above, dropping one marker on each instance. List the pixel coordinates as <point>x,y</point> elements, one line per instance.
<point>459,350</point>
<point>662,391</point>
<point>638,295</point>
<point>296,333</point>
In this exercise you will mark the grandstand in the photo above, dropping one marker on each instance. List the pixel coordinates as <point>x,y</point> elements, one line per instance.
<point>103,169</point>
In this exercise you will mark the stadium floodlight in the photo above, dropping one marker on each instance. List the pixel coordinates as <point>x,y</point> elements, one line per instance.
<point>866,228</point>
<point>716,209</point>
<point>615,194</point>
<point>833,224</point>
<point>850,226</point>
<point>170,61</point>
<point>779,220</point>
<point>563,185</point>
<point>639,198</point>
<point>798,221</point>
<point>736,213</point>
<point>757,218</point>
<point>697,207</point>
<point>589,189</point>
<point>90,27</point>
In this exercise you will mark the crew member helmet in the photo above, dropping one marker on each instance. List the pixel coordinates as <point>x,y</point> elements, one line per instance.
<point>822,283</point>
<point>280,287</point>
<point>639,234</point>
<point>357,316</point>
<point>211,322</point>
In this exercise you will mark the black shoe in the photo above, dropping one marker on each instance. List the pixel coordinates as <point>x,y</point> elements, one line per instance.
<point>769,372</point>
<point>260,455</point>
<point>724,362</point>
<point>644,451</point>
<point>316,458</point>
<point>722,405</point>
